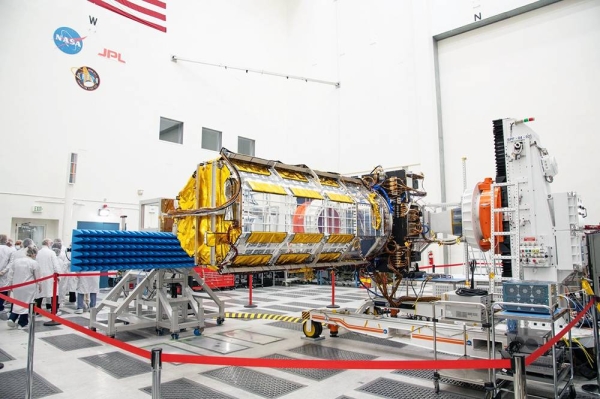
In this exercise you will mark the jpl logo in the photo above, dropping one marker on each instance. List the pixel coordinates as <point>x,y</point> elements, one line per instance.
<point>67,40</point>
<point>111,54</point>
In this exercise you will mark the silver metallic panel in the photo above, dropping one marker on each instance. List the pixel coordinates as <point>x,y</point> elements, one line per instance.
<point>40,327</point>
<point>324,352</point>
<point>250,336</point>
<point>5,357</point>
<point>128,336</point>
<point>254,381</point>
<point>371,340</point>
<point>313,374</point>
<point>184,388</point>
<point>118,364</point>
<point>12,385</point>
<point>70,342</point>
<point>428,375</point>
<point>287,325</point>
<point>213,345</point>
<point>401,390</point>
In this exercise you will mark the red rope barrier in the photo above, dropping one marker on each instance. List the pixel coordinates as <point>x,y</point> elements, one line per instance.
<point>304,363</point>
<point>12,287</point>
<point>279,363</point>
<point>108,340</point>
<point>339,364</point>
<point>543,349</point>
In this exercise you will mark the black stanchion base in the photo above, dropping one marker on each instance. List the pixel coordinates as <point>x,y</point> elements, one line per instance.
<point>332,306</point>
<point>591,389</point>
<point>250,306</point>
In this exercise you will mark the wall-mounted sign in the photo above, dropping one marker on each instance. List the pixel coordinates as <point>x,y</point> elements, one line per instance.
<point>37,209</point>
<point>111,54</point>
<point>68,40</point>
<point>87,78</point>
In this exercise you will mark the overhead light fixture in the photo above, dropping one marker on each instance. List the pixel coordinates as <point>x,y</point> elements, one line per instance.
<point>104,211</point>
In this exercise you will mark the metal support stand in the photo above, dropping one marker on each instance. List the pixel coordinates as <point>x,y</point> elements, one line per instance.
<point>54,302</point>
<point>156,363</point>
<point>250,304</point>
<point>594,389</point>
<point>520,380</point>
<point>333,305</point>
<point>31,341</point>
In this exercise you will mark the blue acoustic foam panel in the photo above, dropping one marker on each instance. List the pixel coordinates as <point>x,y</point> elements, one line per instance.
<point>103,250</point>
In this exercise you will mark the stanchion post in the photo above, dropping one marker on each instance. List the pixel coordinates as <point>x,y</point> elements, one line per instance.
<point>54,301</point>
<point>333,305</point>
<point>520,380</point>
<point>250,304</point>
<point>594,388</point>
<point>156,363</point>
<point>31,341</point>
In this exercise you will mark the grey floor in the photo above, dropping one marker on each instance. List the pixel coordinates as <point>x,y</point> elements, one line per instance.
<point>68,364</point>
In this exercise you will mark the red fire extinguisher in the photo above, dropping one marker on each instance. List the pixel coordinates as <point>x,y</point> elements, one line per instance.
<point>430,258</point>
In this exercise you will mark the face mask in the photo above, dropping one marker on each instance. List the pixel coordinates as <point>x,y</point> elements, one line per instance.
<point>17,246</point>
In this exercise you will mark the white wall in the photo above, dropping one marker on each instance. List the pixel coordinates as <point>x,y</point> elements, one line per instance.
<point>383,113</point>
<point>543,64</point>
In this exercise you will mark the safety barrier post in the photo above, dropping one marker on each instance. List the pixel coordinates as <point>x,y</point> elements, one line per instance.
<point>333,305</point>
<point>29,377</point>
<point>156,363</point>
<point>250,304</point>
<point>520,380</point>
<point>594,388</point>
<point>54,301</point>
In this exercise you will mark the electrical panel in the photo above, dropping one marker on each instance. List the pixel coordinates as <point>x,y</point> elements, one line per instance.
<point>463,312</point>
<point>532,254</point>
<point>523,293</point>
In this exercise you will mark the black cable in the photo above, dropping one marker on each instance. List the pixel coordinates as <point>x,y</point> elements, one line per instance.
<point>470,292</point>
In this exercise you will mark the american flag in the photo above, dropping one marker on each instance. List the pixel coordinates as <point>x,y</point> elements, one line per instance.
<point>151,13</point>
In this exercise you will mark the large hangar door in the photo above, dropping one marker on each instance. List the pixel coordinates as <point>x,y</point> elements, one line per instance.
<point>545,64</point>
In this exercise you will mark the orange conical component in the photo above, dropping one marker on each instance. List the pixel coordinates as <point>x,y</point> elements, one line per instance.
<point>485,214</point>
<point>298,219</point>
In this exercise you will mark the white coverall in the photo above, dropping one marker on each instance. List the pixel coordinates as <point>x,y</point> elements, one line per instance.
<point>22,270</point>
<point>47,265</point>
<point>87,285</point>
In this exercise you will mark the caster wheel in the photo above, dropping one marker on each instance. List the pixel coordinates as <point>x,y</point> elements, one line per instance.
<point>175,336</point>
<point>197,332</point>
<point>220,321</point>
<point>314,331</point>
<point>572,392</point>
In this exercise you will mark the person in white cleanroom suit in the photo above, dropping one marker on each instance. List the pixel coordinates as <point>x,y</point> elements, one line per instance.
<point>87,285</point>
<point>63,268</point>
<point>48,265</point>
<point>5,253</point>
<point>23,270</point>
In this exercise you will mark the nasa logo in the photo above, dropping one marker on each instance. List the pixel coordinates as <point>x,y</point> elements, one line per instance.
<point>68,41</point>
<point>87,78</point>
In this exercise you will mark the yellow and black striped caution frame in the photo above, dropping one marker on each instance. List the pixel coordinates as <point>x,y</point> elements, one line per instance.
<point>289,319</point>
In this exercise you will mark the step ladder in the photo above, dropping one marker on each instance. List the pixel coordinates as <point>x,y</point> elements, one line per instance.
<point>513,233</point>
